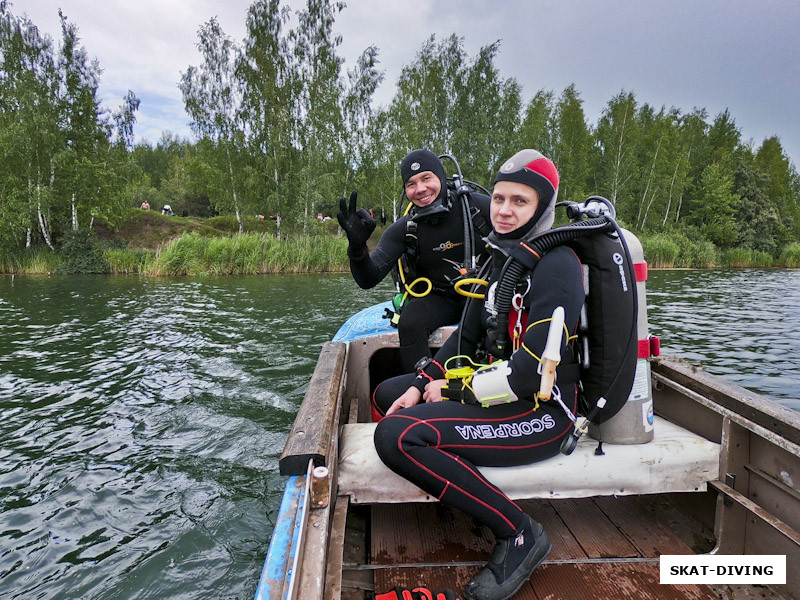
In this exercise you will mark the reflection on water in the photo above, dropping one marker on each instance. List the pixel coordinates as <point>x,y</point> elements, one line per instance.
<point>742,325</point>
<point>142,422</point>
<point>142,419</point>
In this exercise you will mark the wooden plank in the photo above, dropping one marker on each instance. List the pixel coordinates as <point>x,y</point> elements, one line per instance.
<point>355,578</point>
<point>426,533</point>
<point>595,532</point>
<point>762,411</point>
<point>336,544</point>
<point>314,425</point>
<point>451,533</point>
<point>396,538</point>
<point>755,509</point>
<point>565,546</point>
<point>311,575</point>
<point>773,484</point>
<point>730,523</point>
<point>610,581</point>
<point>647,533</point>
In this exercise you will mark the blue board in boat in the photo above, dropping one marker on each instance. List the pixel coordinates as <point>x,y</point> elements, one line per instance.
<point>370,321</point>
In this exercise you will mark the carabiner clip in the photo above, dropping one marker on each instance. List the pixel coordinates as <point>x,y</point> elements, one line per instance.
<point>557,397</point>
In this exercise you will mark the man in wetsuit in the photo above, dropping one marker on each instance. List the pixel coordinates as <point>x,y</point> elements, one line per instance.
<point>431,236</point>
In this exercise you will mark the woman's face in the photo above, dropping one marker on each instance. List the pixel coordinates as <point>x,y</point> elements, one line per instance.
<point>513,205</point>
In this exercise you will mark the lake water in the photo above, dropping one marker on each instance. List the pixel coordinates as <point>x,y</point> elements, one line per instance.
<point>142,419</point>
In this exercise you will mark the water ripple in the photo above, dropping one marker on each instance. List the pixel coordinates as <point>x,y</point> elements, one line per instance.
<point>741,324</point>
<point>143,419</point>
<point>142,422</point>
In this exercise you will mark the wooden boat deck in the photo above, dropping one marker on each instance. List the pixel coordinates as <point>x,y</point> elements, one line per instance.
<point>603,548</point>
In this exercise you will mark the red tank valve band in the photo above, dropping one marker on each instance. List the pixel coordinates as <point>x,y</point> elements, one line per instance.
<point>655,346</point>
<point>640,270</point>
<point>649,347</point>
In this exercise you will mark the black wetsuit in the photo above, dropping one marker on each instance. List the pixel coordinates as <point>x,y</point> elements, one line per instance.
<point>439,256</point>
<point>436,445</point>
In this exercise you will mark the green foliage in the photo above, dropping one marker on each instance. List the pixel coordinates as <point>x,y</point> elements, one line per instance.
<point>746,258</point>
<point>680,249</point>
<point>38,260</point>
<point>695,252</point>
<point>790,257</point>
<point>250,253</point>
<point>572,147</point>
<point>660,250</point>
<point>80,253</point>
<point>125,261</point>
<point>282,130</point>
<point>714,208</point>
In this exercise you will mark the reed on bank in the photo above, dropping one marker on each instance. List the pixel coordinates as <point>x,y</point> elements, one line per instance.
<point>251,253</point>
<point>30,261</point>
<point>666,251</point>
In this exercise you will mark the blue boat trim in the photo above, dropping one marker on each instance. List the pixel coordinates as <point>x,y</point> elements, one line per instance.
<point>276,576</point>
<point>285,540</point>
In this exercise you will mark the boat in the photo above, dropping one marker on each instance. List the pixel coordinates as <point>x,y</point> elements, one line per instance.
<point>721,476</point>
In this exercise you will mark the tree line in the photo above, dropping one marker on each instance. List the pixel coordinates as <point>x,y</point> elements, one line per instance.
<point>282,129</point>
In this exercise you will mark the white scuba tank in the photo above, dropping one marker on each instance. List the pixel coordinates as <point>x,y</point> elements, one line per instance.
<point>633,424</point>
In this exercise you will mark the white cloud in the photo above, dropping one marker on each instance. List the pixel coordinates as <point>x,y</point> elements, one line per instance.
<point>715,54</point>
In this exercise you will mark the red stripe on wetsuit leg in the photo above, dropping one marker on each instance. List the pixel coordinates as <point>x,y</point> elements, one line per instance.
<point>435,475</point>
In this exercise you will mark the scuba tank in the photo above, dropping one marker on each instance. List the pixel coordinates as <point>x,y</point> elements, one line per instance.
<point>633,424</point>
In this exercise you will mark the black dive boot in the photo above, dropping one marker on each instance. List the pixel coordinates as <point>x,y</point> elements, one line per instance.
<point>513,560</point>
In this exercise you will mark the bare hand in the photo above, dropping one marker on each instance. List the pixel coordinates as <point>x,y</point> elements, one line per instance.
<point>433,391</point>
<point>410,397</point>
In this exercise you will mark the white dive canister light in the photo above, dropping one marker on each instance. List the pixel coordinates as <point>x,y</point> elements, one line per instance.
<point>552,354</point>
<point>491,386</point>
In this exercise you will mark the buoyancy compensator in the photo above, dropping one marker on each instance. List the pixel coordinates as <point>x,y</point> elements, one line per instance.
<point>457,195</point>
<point>608,332</point>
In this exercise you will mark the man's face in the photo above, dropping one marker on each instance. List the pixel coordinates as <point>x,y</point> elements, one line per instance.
<point>423,188</point>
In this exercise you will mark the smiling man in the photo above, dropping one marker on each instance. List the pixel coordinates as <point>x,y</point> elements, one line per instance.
<point>428,242</point>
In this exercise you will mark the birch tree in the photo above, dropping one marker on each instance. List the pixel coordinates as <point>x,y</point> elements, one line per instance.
<point>536,130</point>
<point>79,173</point>
<point>572,145</point>
<point>617,137</point>
<point>212,95</point>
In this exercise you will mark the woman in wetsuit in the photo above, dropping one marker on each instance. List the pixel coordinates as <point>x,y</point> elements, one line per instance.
<point>436,443</point>
<point>431,236</point>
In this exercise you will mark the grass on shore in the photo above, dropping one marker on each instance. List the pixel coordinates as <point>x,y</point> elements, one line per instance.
<point>148,243</point>
<point>249,253</point>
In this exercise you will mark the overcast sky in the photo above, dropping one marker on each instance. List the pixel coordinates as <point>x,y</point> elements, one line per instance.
<point>717,54</point>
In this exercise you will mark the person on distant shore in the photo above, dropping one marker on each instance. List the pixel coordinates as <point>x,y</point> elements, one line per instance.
<point>494,416</point>
<point>430,240</point>
<point>145,205</point>
<point>167,210</point>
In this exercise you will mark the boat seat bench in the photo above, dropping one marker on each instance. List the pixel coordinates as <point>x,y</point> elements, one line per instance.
<point>675,461</point>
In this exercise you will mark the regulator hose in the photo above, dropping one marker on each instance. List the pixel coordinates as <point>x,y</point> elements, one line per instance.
<point>498,342</point>
<point>462,192</point>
